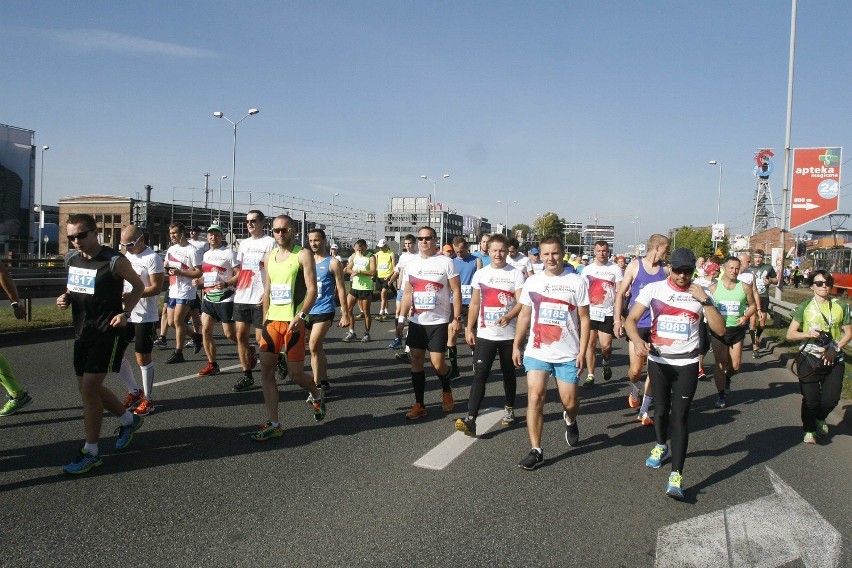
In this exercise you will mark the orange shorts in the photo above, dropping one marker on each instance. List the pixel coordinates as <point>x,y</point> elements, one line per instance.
<point>276,335</point>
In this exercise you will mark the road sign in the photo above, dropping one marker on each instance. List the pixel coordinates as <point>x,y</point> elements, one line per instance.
<point>770,531</point>
<point>816,184</point>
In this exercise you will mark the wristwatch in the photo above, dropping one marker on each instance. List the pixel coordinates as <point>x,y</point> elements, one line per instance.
<point>303,316</point>
<point>458,319</point>
<point>126,314</point>
<point>14,304</point>
<point>707,301</point>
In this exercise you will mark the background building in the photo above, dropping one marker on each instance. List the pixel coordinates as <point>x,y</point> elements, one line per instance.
<point>17,188</point>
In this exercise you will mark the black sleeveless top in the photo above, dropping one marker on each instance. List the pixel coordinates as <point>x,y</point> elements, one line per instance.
<point>95,292</point>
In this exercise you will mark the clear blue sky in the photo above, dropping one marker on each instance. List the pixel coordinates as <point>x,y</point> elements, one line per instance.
<point>582,108</point>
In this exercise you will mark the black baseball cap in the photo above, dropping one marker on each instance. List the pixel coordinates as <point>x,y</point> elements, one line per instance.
<point>681,258</point>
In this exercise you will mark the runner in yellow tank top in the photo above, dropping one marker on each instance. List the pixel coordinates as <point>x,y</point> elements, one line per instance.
<point>289,292</point>
<point>385,264</point>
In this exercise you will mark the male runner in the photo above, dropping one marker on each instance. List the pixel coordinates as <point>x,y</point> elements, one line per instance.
<point>640,273</point>
<point>248,300</point>
<point>735,300</point>
<point>764,275</point>
<point>466,265</point>
<point>221,273</point>
<point>518,260</point>
<point>490,330</point>
<point>431,282</point>
<point>482,252</point>
<point>711,272</point>
<point>603,278</point>
<point>197,240</point>
<point>18,397</point>
<point>143,319</point>
<point>676,305</point>
<point>329,284</point>
<point>290,288</point>
<point>183,263</point>
<point>400,278</point>
<point>96,276</point>
<point>385,263</point>
<point>535,260</point>
<point>555,312</point>
<point>361,268</point>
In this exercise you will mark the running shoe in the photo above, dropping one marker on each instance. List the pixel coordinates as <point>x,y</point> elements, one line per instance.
<point>822,428</point>
<point>607,371</point>
<point>132,399</point>
<point>633,400</point>
<point>245,384</point>
<point>253,359</point>
<point>467,426</point>
<point>359,316</point>
<point>382,317</point>
<point>190,342</point>
<point>125,433</point>
<point>572,431</point>
<point>83,463</point>
<point>160,342</point>
<point>810,438</point>
<point>325,386</point>
<point>417,411</point>
<point>645,419</point>
<point>589,382</point>
<point>281,368</point>
<point>755,353</point>
<point>267,431</point>
<point>350,335</point>
<point>702,376</point>
<point>674,487</point>
<point>532,461</point>
<point>145,407</point>
<point>395,344</point>
<point>177,357</point>
<point>658,454</point>
<point>15,404</point>
<point>721,401</point>
<point>508,416</point>
<point>365,338</point>
<point>447,402</point>
<point>319,408</point>
<point>210,369</point>
<point>403,356</point>
<point>198,343</point>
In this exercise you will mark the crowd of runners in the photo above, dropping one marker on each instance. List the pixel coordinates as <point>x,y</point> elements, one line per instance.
<point>545,313</point>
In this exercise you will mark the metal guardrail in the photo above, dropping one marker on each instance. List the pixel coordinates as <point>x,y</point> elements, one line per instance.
<point>781,308</point>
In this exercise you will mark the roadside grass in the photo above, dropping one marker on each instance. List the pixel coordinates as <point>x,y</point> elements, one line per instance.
<point>43,317</point>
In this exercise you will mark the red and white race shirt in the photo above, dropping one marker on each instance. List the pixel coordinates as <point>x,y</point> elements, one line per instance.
<point>145,264</point>
<point>555,323</point>
<point>430,288</point>
<point>675,317</point>
<point>218,266</point>
<point>184,258</point>
<point>497,288</point>
<point>252,271</point>
<point>603,283</point>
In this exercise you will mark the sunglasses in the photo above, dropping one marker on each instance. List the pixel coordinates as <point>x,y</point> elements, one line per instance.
<point>425,238</point>
<point>79,236</point>
<point>278,230</point>
<point>683,270</point>
<point>128,245</point>
<point>820,283</point>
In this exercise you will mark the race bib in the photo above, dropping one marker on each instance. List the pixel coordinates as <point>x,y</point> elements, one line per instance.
<point>82,280</point>
<point>467,291</point>
<point>280,294</point>
<point>360,263</point>
<point>210,279</point>
<point>251,261</point>
<point>319,288</point>
<point>550,313</point>
<point>127,287</point>
<point>597,313</point>
<point>384,266</point>
<point>425,300</point>
<point>492,315</point>
<point>729,308</point>
<point>673,327</point>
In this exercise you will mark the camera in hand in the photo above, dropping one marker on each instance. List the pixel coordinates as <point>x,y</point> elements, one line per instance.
<point>824,340</point>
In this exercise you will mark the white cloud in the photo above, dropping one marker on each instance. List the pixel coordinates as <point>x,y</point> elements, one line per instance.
<point>102,40</point>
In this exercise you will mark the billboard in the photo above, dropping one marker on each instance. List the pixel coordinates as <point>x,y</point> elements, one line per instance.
<point>17,187</point>
<point>815,186</point>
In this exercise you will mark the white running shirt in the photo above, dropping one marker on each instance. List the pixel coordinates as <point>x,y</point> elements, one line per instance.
<point>185,258</point>
<point>252,271</point>
<point>554,323</point>
<point>675,317</point>
<point>144,264</point>
<point>603,283</point>
<point>497,288</point>
<point>429,279</point>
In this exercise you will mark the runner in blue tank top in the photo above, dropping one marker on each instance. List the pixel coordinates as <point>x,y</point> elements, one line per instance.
<point>639,273</point>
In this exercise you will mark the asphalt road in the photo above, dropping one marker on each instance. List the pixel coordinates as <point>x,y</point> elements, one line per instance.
<point>193,489</point>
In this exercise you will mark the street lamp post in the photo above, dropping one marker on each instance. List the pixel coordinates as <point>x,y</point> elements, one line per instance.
<point>333,197</point>
<point>719,194</point>
<point>41,202</point>
<point>435,203</point>
<point>219,219</point>
<point>507,214</point>
<point>217,114</point>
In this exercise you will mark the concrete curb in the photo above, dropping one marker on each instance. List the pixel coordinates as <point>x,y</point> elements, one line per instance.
<point>30,336</point>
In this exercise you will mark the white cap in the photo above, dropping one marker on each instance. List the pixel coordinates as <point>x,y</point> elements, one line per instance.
<point>333,245</point>
<point>585,257</point>
<point>573,256</point>
<point>382,242</point>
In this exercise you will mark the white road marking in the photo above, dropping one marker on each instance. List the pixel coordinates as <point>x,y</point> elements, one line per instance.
<point>767,532</point>
<point>444,453</point>
<point>194,376</point>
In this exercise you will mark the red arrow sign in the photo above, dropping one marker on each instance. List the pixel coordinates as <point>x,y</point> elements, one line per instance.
<point>816,184</point>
